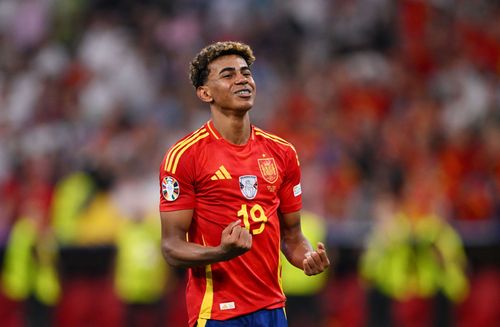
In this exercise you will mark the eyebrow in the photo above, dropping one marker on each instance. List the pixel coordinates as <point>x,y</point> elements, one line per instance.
<point>232,69</point>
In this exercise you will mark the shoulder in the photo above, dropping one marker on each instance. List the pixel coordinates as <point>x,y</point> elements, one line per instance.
<point>276,142</point>
<point>272,138</point>
<point>185,147</point>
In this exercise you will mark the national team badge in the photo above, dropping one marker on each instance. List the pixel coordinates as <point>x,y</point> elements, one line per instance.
<point>170,188</point>
<point>268,169</point>
<point>248,186</point>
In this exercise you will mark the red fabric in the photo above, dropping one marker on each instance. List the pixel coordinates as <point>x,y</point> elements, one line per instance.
<point>482,307</point>
<point>414,17</point>
<point>176,310</point>
<point>415,312</point>
<point>88,301</point>
<point>11,312</point>
<point>344,302</point>
<point>480,45</point>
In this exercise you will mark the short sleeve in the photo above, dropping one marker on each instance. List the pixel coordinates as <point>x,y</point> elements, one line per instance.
<point>176,185</point>
<point>291,191</point>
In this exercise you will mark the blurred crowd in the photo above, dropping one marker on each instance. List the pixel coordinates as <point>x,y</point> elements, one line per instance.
<point>381,98</point>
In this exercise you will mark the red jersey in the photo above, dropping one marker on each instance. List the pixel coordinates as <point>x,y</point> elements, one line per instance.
<point>223,182</point>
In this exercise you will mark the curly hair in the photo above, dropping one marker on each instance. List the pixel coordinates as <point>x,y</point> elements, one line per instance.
<point>198,68</point>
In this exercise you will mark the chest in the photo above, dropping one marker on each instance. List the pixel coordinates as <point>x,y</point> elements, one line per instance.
<point>250,173</point>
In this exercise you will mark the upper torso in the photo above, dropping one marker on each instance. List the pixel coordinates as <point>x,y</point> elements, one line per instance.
<point>223,182</point>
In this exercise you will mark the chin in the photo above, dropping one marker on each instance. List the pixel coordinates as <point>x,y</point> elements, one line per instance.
<point>244,106</point>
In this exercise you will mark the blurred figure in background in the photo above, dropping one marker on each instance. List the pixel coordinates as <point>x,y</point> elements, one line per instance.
<point>142,279</point>
<point>29,275</point>
<point>141,274</point>
<point>414,261</point>
<point>87,222</point>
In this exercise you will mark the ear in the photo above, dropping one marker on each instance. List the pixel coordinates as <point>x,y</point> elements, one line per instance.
<point>203,93</point>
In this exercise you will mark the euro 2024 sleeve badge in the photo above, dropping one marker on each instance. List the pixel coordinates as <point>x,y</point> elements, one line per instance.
<point>170,188</point>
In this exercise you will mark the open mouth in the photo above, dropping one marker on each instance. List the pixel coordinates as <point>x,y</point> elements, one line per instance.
<point>244,92</point>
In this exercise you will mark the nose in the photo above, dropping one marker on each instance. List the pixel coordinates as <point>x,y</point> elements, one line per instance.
<point>241,79</point>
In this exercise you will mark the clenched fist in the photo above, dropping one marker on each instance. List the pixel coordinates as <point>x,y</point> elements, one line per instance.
<point>235,240</point>
<point>316,261</point>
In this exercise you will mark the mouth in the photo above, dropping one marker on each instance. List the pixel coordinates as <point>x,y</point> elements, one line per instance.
<point>245,93</point>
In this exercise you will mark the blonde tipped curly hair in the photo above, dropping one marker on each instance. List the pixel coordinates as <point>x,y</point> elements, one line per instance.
<point>198,68</point>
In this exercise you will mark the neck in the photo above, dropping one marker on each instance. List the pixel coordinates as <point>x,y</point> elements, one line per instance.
<point>233,128</point>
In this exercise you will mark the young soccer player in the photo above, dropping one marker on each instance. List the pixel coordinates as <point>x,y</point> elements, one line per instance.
<point>230,200</point>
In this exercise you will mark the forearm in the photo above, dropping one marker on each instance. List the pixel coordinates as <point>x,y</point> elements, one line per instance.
<point>180,253</point>
<point>295,246</point>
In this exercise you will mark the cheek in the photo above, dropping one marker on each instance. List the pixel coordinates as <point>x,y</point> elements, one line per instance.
<point>252,82</point>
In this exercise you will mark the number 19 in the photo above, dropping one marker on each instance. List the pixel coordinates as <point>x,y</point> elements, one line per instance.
<point>256,214</point>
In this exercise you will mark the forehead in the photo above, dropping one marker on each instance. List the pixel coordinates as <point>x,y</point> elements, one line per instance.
<point>231,61</point>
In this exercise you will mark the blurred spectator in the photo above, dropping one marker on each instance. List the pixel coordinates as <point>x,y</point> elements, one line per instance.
<point>413,254</point>
<point>141,277</point>
<point>29,276</point>
<point>87,227</point>
<point>141,274</point>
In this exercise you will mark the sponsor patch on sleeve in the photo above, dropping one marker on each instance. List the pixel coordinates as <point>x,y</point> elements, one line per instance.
<point>297,190</point>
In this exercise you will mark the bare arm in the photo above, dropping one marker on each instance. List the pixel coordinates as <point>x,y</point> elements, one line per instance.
<point>178,252</point>
<point>297,248</point>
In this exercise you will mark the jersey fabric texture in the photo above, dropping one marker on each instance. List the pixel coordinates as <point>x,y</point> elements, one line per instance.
<point>223,182</point>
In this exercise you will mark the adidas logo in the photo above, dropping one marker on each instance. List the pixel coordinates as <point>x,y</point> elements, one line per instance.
<point>221,173</point>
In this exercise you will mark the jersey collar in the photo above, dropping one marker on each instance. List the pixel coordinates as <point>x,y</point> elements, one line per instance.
<point>215,133</point>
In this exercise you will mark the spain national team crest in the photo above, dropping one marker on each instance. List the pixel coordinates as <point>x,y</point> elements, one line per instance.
<point>170,188</point>
<point>268,169</point>
<point>248,186</point>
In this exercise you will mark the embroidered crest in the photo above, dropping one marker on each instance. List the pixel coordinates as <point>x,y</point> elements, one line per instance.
<point>248,186</point>
<point>170,188</point>
<point>268,169</point>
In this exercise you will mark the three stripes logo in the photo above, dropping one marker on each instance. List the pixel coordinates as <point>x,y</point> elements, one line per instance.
<point>221,173</point>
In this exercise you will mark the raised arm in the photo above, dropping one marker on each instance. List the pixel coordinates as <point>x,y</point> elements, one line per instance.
<point>178,252</point>
<point>297,248</point>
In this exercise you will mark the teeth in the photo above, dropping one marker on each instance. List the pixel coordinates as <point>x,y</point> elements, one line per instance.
<point>243,92</point>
